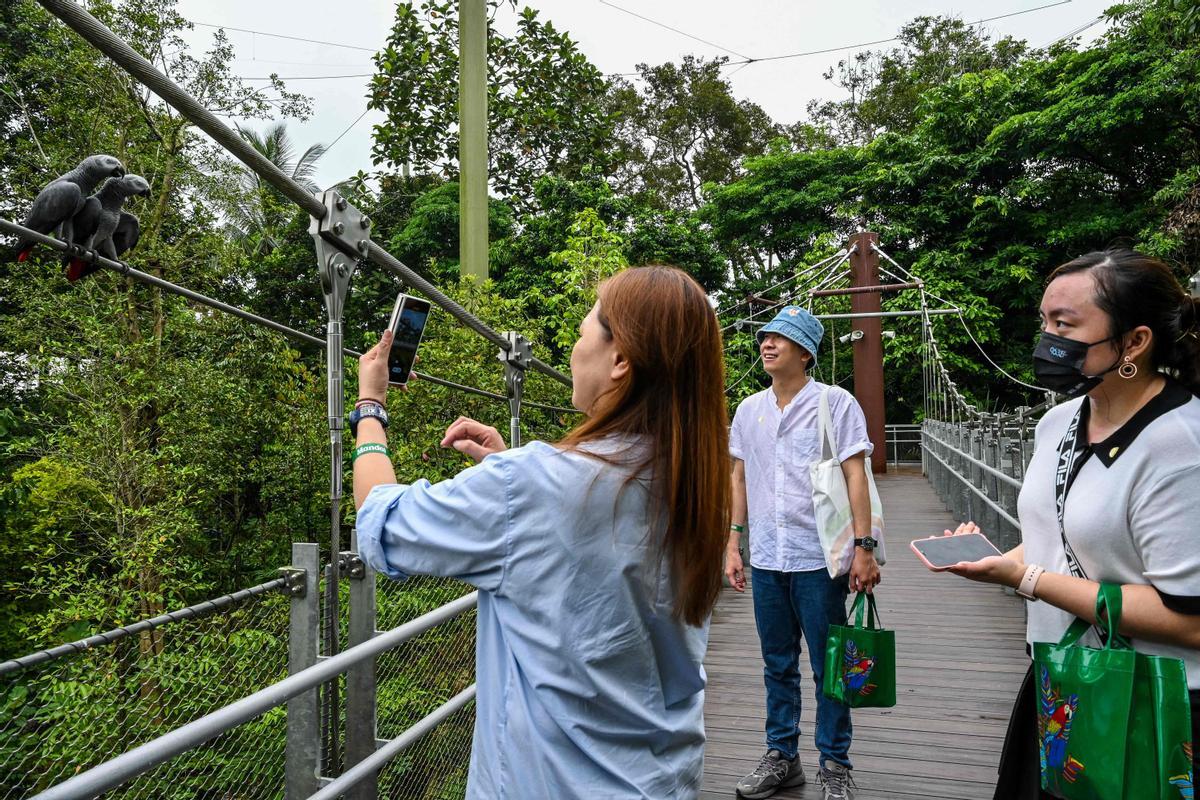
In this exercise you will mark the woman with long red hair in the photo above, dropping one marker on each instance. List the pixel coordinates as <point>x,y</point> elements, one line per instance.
<point>598,559</point>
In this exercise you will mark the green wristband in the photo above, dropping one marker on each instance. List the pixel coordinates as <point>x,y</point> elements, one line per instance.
<point>370,447</point>
<point>735,527</point>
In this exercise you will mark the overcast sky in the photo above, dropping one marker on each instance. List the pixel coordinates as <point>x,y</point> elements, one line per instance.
<point>614,39</point>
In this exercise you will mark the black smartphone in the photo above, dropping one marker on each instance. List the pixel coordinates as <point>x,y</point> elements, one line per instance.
<point>407,326</point>
<point>940,552</point>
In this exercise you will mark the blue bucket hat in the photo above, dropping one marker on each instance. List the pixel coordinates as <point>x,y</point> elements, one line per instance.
<point>798,325</point>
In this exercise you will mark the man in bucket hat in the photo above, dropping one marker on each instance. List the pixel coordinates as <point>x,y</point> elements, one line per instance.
<point>773,440</point>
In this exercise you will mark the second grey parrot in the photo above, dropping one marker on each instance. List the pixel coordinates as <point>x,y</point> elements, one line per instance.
<point>96,226</point>
<point>63,198</point>
<point>128,231</point>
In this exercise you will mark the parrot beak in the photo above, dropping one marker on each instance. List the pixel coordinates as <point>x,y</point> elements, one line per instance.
<point>118,172</point>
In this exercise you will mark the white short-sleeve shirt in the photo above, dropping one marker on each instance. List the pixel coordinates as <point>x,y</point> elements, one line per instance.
<point>778,447</point>
<point>1132,515</point>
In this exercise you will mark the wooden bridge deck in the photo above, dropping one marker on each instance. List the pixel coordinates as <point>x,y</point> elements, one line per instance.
<point>960,648</point>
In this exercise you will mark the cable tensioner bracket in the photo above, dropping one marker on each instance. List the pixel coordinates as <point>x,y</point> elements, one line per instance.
<point>341,237</point>
<point>351,565</point>
<point>519,354</point>
<point>295,581</point>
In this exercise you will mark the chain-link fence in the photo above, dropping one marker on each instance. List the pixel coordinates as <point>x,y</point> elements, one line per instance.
<point>416,678</point>
<point>63,716</point>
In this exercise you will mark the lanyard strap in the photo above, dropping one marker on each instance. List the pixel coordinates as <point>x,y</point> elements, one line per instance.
<point>1072,453</point>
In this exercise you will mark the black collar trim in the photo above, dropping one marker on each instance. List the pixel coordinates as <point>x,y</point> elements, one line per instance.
<point>1172,396</point>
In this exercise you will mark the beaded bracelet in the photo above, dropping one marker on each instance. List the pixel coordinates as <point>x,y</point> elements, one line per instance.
<point>370,447</point>
<point>367,401</point>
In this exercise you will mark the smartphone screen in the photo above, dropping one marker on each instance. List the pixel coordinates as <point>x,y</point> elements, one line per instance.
<point>407,324</point>
<point>946,551</point>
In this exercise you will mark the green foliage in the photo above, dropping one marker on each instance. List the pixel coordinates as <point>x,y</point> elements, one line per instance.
<point>886,89</point>
<point>59,718</point>
<point>524,262</point>
<point>545,110</point>
<point>592,254</point>
<point>683,129</point>
<point>258,214</point>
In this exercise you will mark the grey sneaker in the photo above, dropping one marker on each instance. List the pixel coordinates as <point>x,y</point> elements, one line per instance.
<point>836,781</point>
<point>774,772</point>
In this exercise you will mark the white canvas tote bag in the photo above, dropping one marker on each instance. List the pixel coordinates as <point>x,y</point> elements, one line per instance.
<point>831,501</point>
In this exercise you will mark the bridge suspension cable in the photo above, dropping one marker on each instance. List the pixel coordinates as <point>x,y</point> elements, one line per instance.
<point>122,268</point>
<point>962,320</point>
<point>796,276</point>
<point>841,258</point>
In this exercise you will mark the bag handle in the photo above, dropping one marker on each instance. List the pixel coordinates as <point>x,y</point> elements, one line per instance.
<point>1109,601</point>
<point>874,622</point>
<point>825,423</point>
<point>1113,601</point>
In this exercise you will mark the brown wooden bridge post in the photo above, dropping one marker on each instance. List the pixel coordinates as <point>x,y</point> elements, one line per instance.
<point>868,350</point>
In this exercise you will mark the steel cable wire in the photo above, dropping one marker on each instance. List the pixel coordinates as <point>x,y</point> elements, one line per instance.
<point>7,226</point>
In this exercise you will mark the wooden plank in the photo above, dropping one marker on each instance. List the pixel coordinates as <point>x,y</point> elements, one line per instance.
<point>961,656</point>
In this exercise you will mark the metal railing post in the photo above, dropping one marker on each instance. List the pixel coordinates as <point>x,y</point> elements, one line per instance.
<point>303,749</point>
<point>967,507</point>
<point>992,459</point>
<point>516,359</point>
<point>341,230</point>
<point>361,706</point>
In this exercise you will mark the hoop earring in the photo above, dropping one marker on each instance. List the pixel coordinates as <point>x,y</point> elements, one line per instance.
<point>1128,370</point>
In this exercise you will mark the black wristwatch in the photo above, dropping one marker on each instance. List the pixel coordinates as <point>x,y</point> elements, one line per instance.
<point>367,410</point>
<point>867,543</point>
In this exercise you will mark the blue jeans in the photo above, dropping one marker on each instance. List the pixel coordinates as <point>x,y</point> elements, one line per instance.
<point>786,606</point>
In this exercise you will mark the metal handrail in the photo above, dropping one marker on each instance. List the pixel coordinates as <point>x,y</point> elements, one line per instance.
<point>369,765</point>
<point>982,496</point>
<point>107,42</point>
<point>970,459</point>
<point>108,637</point>
<point>141,759</point>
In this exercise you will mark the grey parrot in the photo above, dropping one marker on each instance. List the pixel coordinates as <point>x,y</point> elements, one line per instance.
<point>63,198</point>
<point>128,231</point>
<point>124,239</point>
<point>97,224</point>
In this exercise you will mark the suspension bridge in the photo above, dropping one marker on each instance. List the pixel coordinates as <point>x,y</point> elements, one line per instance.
<point>324,682</point>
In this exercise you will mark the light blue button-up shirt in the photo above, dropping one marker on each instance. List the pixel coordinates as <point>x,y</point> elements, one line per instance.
<point>587,687</point>
<point>778,446</point>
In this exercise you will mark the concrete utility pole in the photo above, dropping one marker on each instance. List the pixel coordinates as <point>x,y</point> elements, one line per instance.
<point>868,350</point>
<point>472,139</point>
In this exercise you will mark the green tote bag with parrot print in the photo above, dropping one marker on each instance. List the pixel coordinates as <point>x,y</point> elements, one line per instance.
<point>1112,723</point>
<point>860,661</point>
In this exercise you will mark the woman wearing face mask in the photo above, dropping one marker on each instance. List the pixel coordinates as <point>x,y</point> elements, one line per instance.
<point>1120,335</point>
<point>597,559</point>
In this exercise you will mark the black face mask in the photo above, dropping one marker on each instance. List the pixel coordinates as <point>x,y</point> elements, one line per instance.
<point>1058,365</point>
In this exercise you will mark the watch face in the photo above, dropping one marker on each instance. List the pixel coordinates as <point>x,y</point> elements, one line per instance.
<point>869,543</point>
